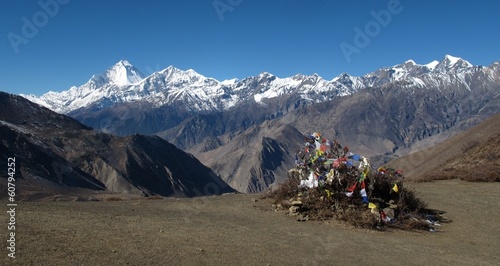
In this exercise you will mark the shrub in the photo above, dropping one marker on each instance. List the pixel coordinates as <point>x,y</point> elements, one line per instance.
<point>155,197</point>
<point>113,198</point>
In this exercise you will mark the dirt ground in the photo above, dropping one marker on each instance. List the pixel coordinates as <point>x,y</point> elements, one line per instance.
<point>237,230</point>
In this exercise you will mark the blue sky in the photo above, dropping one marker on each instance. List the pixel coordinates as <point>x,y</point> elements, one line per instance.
<point>55,44</point>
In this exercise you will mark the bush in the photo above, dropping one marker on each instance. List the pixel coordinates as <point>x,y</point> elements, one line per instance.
<point>155,197</point>
<point>113,198</point>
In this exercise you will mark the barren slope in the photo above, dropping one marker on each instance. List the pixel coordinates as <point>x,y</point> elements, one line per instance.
<point>476,149</point>
<point>252,160</point>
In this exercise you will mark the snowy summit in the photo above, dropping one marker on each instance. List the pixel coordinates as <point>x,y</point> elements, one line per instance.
<point>123,73</point>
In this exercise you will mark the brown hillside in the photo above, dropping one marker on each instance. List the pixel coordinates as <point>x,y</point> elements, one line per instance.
<point>56,151</point>
<point>253,159</point>
<point>472,155</point>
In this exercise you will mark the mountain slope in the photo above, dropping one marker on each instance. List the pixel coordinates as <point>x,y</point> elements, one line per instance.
<point>253,159</point>
<point>58,149</point>
<point>472,155</point>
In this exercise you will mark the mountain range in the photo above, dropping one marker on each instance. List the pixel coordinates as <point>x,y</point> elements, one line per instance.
<point>193,92</point>
<point>232,125</point>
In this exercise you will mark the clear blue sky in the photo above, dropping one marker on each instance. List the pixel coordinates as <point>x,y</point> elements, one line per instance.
<point>74,40</point>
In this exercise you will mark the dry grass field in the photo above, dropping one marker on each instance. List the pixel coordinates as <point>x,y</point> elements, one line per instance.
<point>237,229</point>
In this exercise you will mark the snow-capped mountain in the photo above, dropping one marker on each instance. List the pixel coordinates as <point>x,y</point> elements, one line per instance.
<point>197,93</point>
<point>121,74</point>
<point>416,74</point>
<point>452,64</point>
<point>124,83</point>
<point>111,85</point>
